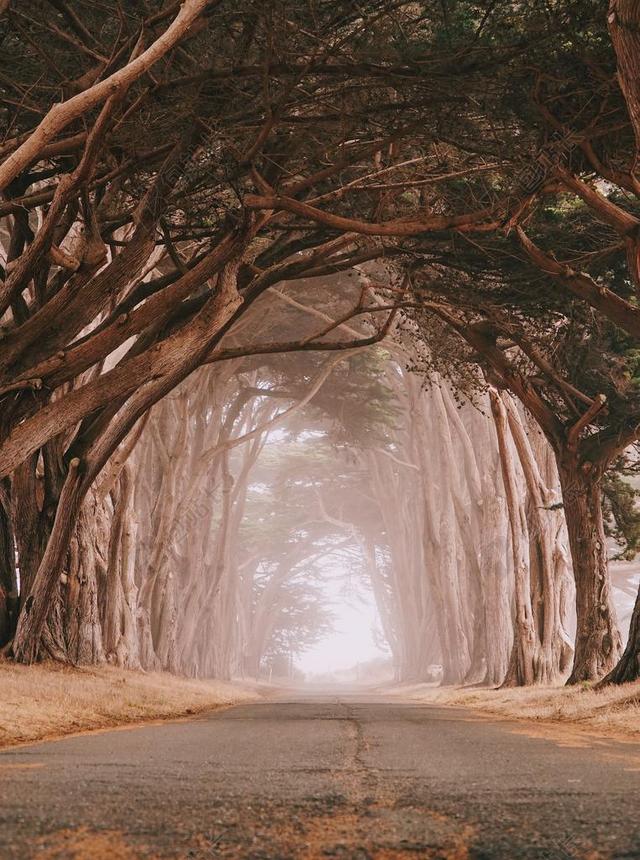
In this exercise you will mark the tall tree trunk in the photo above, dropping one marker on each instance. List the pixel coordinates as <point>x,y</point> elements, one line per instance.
<point>31,523</point>
<point>525,657</point>
<point>598,643</point>
<point>497,575</point>
<point>120,633</point>
<point>82,628</point>
<point>8,577</point>
<point>443,497</point>
<point>28,642</point>
<point>546,561</point>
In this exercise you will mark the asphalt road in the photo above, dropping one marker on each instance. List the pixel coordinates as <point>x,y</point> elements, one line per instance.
<point>322,777</point>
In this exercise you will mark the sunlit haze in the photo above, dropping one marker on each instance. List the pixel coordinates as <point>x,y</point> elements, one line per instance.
<point>354,639</point>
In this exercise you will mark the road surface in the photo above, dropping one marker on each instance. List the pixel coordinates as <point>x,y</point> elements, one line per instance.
<point>322,777</point>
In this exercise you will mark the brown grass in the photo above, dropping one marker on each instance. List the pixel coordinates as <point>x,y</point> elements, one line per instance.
<point>612,710</point>
<point>49,700</point>
<point>82,844</point>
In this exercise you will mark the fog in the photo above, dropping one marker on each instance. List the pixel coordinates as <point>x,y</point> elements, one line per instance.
<point>337,514</point>
<point>356,637</point>
<point>300,515</point>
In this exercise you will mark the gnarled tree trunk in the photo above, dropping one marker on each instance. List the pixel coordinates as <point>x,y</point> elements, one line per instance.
<point>547,562</point>
<point>524,666</point>
<point>82,628</point>
<point>119,624</point>
<point>8,577</point>
<point>598,643</point>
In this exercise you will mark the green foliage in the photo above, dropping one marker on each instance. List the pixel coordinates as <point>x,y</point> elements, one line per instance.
<point>621,492</point>
<point>303,619</point>
<point>355,406</point>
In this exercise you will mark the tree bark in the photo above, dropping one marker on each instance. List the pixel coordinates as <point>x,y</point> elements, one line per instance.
<point>82,627</point>
<point>546,560</point>
<point>628,667</point>
<point>496,583</point>
<point>442,536</point>
<point>8,578</point>
<point>525,657</point>
<point>598,644</point>
<point>32,621</point>
<point>120,632</point>
<point>624,28</point>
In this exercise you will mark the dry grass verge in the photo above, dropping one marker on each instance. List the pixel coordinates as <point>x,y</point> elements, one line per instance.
<point>612,710</point>
<point>49,700</point>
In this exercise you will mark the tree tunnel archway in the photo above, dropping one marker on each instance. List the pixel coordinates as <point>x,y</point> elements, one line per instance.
<point>492,246</point>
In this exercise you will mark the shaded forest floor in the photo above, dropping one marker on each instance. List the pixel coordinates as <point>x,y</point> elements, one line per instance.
<point>611,711</point>
<point>50,700</point>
